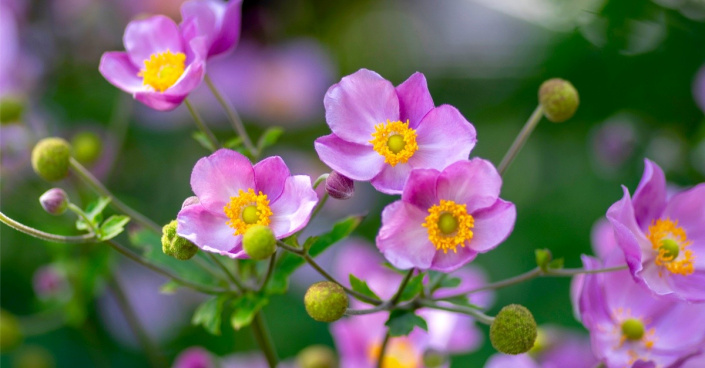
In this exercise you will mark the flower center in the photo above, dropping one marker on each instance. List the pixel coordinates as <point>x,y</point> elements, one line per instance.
<point>163,69</point>
<point>246,210</point>
<point>400,353</point>
<point>449,225</point>
<point>632,329</point>
<point>669,241</point>
<point>395,141</point>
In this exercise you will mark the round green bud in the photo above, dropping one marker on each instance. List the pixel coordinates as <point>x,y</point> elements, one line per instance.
<point>176,246</point>
<point>10,334</point>
<point>50,158</point>
<point>325,301</point>
<point>559,99</point>
<point>259,242</point>
<point>86,146</point>
<point>317,356</point>
<point>11,109</point>
<point>33,357</point>
<point>513,330</point>
<point>434,359</point>
<point>55,201</point>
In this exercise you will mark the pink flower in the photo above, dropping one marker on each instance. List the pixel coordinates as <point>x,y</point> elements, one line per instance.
<point>444,219</point>
<point>160,66</point>
<point>381,133</point>
<point>234,195</point>
<point>217,21</point>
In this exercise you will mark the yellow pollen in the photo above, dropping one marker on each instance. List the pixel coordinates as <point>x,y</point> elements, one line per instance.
<point>449,225</point>
<point>669,241</point>
<point>246,210</point>
<point>163,69</point>
<point>399,354</point>
<point>395,141</point>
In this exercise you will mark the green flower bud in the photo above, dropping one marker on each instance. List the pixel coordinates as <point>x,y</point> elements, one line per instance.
<point>559,99</point>
<point>259,242</point>
<point>513,330</point>
<point>86,146</point>
<point>434,359</point>
<point>317,356</point>
<point>10,334</point>
<point>326,301</point>
<point>50,158</point>
<point>55,201</point>
<point>176,246</point>
<point>11,109</point>
<point>33,357</point>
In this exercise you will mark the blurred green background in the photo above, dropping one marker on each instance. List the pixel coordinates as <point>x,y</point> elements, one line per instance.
<point>634,63</point>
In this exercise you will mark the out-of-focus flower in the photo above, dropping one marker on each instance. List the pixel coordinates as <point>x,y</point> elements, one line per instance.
<point>381,133</point>
<point>14,81</point>
<point>234,195</point>
<point>216,20</point>
<point>602,238</point>
<point>514,361</point>
<point>557,347</point>
<point>160,66</point>
<point>663,239</point>
<point>627,323</point>
<point>195,357</point>
<point>50,283</point>
<point>445,219</point>
<point>614,141</point>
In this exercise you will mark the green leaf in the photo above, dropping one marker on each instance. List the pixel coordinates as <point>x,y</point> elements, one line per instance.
<point>556,264</point>
<point>209,314</point>
<point>169,287</point>
<point>543,258</point>
<point>310,241</point>
<point>203,140</point>
<point>402,322</point>
<point>113,226</point>
<point>269,137</point>
<point>462,300</point>
<point>361,287</point>
<point>245,309</point>
<point>340,231</point>
<point>450,282</point>
<point>93,212</point>
<point>413,288</point>
<point>233,143</point>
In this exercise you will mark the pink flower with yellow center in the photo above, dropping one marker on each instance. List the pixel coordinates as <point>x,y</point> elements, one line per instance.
<point>234,195</point>
<point>663,239</point>
<point>382,132</point>
<point>218,21</point>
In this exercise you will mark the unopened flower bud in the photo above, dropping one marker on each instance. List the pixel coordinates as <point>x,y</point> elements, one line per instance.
<point>339,186</point>
<point>325,301</point>
<point>559,99</point>
<point>11,109</point>
<point>434,359</point>
<point>50,158</point>
<point>55,201</point>
<point>190,201</point>
<point>10,334</point>
<point>259,242</point>
<point>317,356</point>
<point>513,330</point>
<point>176,246</point>
<point>86,146</point>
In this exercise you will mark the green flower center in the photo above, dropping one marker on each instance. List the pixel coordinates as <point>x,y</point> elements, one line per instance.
<point>447,223</point>
<point>249,215</point>
<point>670,248</point>
<point>396,143</point>
<point>633,329</point>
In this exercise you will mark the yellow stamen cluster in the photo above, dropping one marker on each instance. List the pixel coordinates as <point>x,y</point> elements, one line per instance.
<point>449,225</point>
<point>163,69</point>
<point>633,333</point>
<point>246,210</point>
<point>670,242</point>
<point>399,354</point>
<point>395,141</point>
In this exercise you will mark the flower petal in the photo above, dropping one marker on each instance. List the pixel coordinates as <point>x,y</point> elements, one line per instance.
<point>420,189</point>
<point>414,99</point>
<point>292,210</point>
<point>270,176</point>
<point>451,261</point>
<point>220,176</point>
<point>688,207</point>
<point>475,183</point>
<point>402,239</point>
<point>155,34</point>
<point>357,162</point>
<point>173,96</point>
<point>628,234</point>
<point>359,102</point>
<point>492,225</point>
<point>650,196</point>
<point>444,137</point>
<point>392,178</point>
<point>209,232</point>
<point>117,68</point>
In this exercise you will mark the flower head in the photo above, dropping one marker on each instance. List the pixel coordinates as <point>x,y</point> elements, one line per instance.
<point>160,66</point>
<point>218,21</point>
<point>382,132</point>
<point>444,219</point>
<point>233,195</point>
<point>663,240</point>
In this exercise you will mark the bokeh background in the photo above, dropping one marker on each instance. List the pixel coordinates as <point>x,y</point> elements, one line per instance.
<point>636,64</point>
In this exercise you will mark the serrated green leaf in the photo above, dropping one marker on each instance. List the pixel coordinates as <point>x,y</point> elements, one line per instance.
<point>556,264</point>
<point>201,138</point>
<point>413,288</point>
<point>450,282</point>
<point>245,309</point>
<point>112,227</point>
<point>93,212</point>
<point>233,143</point>
<point>269,137</point>
<point>169,287</point>
<point>361,287</point>
<point>402,322</point>
<point>209,314</point>
<point>309,242</point>
<point>543,258</point>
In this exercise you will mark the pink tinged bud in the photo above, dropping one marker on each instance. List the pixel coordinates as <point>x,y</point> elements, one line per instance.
<point>50,283</point>
<point>339,186</point>
<point>190,201</point>
<point>55,201</point>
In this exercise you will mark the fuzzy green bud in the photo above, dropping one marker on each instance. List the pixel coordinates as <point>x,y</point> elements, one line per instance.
<point>176,246</point>
<point>33,357</point>
<point>11,109</point>
<point>434,359</point>
<point>325,301</point>
<point>50,158</point>
<point>559,99</point>
<point>317,356</point>
<point>10,334</point>
<point>259,242</point>
<point>55,201</point>
<point>513,330</point>
<point>86,146</point>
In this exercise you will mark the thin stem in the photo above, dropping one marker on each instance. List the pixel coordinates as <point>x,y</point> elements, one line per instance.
<point>86,238</point>
<point>481,317</point>
<point>270,269</point>
<point>382,350</point>
<point>567,272</point>
<point>233,117</point>
<point>521,139</point>
<point>79,212</point>
<point>319,180</point>
<point>359,312</point>
<point>225,269</point>
<point>402,286</point>
<point>98,187</point>
<point>319,206</point>
<point>207,267</point>
<point>259,328</point>
<point>499,284</point>
<point>202,126</point>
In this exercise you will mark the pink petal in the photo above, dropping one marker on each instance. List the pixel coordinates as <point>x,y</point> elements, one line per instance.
<point>357,162</point>
<point>117,68</point>
<point>420,189</point>
<point>402,239</point>
<point>392,179</point>
<point>359,102</point>
<point>414,99</point>
<point>451,261</point>
<point>492,225</point>
<point>650,196</point>
<point>475,183</point>
<point>155,34</point>
<point>292,210</point>
<point>220,176</point>
<point>209,231</point>
<point>444,137</point>
<point>628,234</point>
<point>688,207</point>
<point>270,176</point>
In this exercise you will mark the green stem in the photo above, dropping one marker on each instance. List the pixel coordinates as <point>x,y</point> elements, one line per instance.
<point>233,117</point>
<point>79,212</point>
<point>481,317</point>
<point>402,286</point>
<point>319,180</point>
<point>270,269</point>
<point>521,139</point>
<point>382,350</point>
<point>98,187</point>
<point>225,269</point>
<point>259,328</point>
<point>86,238</point>
<point>567,272</point>
<point>202,126</point>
